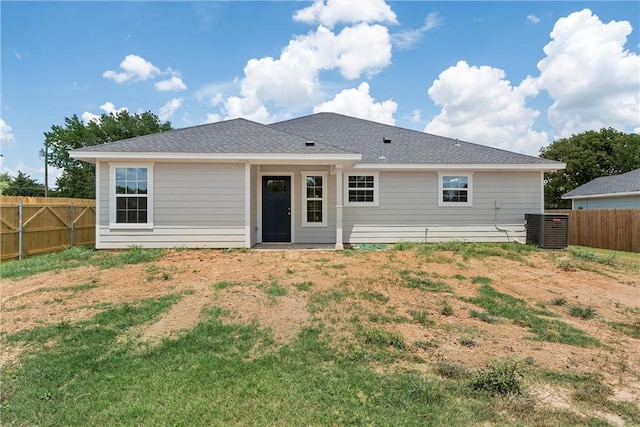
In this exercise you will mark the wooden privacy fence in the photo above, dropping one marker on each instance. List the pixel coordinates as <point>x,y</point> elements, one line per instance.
<point>617,229</point>
<point>35,225</point>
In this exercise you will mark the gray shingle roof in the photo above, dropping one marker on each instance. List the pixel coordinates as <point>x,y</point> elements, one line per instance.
<point>231,136</point>
<point>406,146</point>
<point>332,133</point>
<point>623,183</point>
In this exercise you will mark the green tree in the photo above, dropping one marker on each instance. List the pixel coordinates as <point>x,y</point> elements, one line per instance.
<point>588,155</point>
<point>78,178</point>
<point>5,181</point>
<point>23,185</point>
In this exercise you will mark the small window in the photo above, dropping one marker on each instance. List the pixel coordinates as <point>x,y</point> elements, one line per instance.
<point>314,199</point>
<point>455,189</point>
<point>361,190</point>
<point>130,196</point>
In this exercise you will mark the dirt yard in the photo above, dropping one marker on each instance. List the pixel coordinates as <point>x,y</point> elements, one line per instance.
<point>77,294</point>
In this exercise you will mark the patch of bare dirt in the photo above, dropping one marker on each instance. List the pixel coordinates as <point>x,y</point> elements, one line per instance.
<point>78,294</point>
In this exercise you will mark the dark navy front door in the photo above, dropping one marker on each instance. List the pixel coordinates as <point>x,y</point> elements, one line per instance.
<point>276,209</point>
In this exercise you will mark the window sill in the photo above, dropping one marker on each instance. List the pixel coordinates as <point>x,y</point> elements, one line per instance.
<point>314,225</point>
<point>455,205</point>
<point>116,226</point>
<point>361,205</point>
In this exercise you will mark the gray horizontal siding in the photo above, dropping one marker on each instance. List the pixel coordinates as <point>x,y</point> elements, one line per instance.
<point>408,206</point>
<point>194,205</point>
<point>624,202</point>
<point>198,195</point>
<point>172,237</point>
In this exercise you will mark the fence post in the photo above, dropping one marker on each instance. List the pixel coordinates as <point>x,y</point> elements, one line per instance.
<point>71,222</point>
<point>20,230</point>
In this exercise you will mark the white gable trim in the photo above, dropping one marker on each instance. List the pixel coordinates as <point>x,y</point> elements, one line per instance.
<point>591,196</point>
<point>252,157</point>
<point>460,167</point>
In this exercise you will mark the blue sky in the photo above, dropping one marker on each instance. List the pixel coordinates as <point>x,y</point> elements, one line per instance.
<point>514,75</point>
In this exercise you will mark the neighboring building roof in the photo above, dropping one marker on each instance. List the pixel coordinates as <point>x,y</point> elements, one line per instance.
<point>607,185</point>
<point>332,135</point>
<point>406,146</point>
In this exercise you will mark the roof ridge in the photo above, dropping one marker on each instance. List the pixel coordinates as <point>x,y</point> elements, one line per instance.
<point>396,128</point>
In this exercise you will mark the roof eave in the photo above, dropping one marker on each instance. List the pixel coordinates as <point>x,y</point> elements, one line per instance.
<point>545,167</point>
<point>601,195</point>
<point>92,157</point>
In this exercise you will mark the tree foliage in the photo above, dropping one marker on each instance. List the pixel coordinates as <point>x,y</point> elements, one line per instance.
<point>20,185</point>
<point>5,181</point>
<point>588,155</point>
<point>78,178</point>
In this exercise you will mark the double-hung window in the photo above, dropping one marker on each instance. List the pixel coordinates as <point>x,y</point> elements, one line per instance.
<point>455,189</point>
<point>131,196</point>
<point>361,189</point>
<point>314,199</point>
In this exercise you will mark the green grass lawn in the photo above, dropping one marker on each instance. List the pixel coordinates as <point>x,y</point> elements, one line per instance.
<point>220,374</point>
<point>223,373</point>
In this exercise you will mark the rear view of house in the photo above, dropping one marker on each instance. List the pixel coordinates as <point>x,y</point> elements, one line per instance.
<point>323,178</point>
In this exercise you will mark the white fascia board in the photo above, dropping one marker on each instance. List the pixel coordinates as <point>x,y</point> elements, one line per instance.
<point>222,157</point>
<point>461,167</point>
<point>591,196</point>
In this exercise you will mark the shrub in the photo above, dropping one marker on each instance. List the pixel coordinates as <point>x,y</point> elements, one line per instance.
<point>583,312</point>
<point>502,377</point>
<point>467,341</point>
<point>447,309</point>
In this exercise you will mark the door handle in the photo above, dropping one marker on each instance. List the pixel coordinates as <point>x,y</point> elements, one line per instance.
<point>289,211</point>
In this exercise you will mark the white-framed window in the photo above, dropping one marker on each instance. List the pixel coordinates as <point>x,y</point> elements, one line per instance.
<point>455,189</point>
<point>131,195</point>
<point>314,199</point>
<point>361,189</point>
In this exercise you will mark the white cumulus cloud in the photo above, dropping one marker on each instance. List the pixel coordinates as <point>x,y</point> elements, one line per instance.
<point>331,12</point>
<point>292,80</point>
<point>133,68</point>
<point>213,118</point>
<point>593,80</point>
<point>107,107</point>
<point>250,108</point>
<point>174,83</point>
<point>479,105</point>
<point>358,103</point>
<point>6,135</point>
<point>166,111</point>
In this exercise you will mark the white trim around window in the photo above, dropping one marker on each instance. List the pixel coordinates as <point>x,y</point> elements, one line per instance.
<point>130,195</point>
<point>455,189</point>
<point>314,199</point>
<point>361,188</point>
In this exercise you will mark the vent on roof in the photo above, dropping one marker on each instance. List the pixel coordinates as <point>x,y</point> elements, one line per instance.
<point>386,140</point>
<point>457,144</point>
<point>309,143</point>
